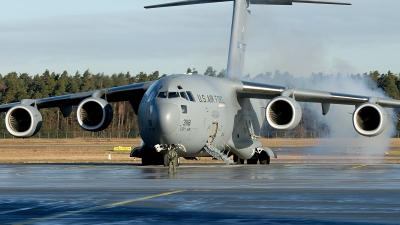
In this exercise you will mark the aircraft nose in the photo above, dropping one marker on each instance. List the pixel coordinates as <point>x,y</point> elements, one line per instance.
<point>168,117</point>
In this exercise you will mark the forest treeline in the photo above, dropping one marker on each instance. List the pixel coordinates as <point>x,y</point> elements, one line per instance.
<point>16,86</point>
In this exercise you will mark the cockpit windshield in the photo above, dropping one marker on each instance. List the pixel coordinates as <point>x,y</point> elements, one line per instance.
<point>186,95</point>
<point>191,98</point>
<point>173,95</point>
<point>183,95</point>
<point>162,95</point>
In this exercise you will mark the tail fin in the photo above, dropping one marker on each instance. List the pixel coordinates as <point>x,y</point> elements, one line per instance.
<point>240,21</point>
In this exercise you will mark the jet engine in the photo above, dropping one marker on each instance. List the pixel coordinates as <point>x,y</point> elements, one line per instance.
<point>23,121</point>
<point>283,113</point>
<point>369,119</point>
<point>94,114</point>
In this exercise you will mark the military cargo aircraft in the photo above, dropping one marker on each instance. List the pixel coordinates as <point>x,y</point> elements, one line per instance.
<point>199,115</point>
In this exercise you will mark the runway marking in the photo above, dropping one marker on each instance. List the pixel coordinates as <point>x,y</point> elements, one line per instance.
<point>236,186</point>
<point>79,167</point>
<point>358,167</point>
<point>69,213</point>
<point>226,187</point>
<point>15,210</point>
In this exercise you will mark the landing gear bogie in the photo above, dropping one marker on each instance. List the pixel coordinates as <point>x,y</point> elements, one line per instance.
<point>264,158</point>
<point>252,161</point>
<point>237,160</point>
<point>151,160</point>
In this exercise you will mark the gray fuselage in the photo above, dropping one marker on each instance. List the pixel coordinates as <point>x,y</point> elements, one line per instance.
<point>188,109</point>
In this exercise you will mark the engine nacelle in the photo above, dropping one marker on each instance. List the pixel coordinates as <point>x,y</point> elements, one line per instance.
<point>283,113</point>
<point>94,114</point>
<point>23,121</point>
<point>369,119</point>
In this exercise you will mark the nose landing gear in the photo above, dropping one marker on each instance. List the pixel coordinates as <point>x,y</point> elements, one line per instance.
<point>171,157</point>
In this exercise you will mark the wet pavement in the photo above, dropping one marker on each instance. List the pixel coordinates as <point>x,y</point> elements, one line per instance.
<point>199,194</point>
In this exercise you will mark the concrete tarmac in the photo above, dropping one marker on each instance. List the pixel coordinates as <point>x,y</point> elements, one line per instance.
<point>199,194</point>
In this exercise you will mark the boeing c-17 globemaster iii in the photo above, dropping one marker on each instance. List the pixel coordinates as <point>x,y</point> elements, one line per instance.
<point>197,115</point>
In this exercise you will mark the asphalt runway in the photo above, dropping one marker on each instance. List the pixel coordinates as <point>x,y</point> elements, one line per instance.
<point>199,194</point>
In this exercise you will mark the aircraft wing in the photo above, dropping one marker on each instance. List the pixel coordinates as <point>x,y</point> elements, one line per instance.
<point>114,94</point>
<point>265,91</point>
<point>283,112</point>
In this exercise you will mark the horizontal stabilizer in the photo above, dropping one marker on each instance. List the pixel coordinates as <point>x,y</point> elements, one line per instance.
<point>285,2</point>
<point>188,2</point>
<point>264,2</point>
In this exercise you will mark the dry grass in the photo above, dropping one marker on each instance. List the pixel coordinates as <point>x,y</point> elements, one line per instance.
<point>98,150</point>
<point>64,150</point>
<point>307,142</point>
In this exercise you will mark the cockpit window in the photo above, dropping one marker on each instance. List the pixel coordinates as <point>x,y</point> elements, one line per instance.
<point>184,108</point>
<point>183,95</point>
<point>152,95</point>
<point>186,95</point>
<point>162,95</point>
<point>191,98</point>
<point>173,95</point>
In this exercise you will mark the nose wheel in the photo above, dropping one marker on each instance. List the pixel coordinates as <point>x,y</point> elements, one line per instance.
<point>170,157</point>
<point>166,160</point>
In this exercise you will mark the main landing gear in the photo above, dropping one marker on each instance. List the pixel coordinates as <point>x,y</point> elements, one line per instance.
<point>261,157</point>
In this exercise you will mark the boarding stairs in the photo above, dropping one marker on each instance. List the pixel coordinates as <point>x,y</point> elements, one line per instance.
<point>218,153</point>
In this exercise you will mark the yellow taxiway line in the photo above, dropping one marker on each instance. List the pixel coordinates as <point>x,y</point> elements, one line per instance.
<point>358,167</point>
<point>98,207</point>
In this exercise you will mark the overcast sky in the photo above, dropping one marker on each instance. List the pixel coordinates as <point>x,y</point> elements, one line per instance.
<point>120,35</point>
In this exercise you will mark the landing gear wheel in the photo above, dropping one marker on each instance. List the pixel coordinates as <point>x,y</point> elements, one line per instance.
<point>147,161</point>
<point>166,162</point>
<point>153,159</point>
<point>252,161</point>
<point>264,158</point>
<point>237,160</point>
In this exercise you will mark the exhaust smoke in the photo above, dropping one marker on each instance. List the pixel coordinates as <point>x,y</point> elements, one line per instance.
<point>344,139</point>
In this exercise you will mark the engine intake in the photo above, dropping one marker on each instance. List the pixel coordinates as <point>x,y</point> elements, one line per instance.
<point>369,119</point>
<point>94,114</point>
<point>23,121</point>
<point>283,113</point>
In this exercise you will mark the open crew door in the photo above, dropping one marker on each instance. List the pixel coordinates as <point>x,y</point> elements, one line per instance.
<point>214,129</point>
